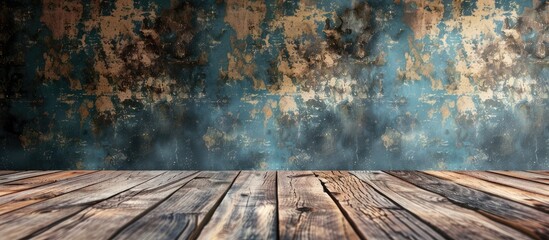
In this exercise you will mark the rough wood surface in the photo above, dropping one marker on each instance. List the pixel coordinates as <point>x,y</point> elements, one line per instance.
<point>528,220</point>
<point>26,221</point>
<point>28,183</point>
<point>454,221</point>
<point>21,199</point>
<point>22,175</point>
<point>374,215</point>
<point>6,172</point>
<point>119,210</point>
<point>536,177</point>
<point>307,212</point>
<point>544,172</point>
<point>183,214</point>
<point>271,205</point>
<point>248,211</point>
<point>526,185</point>
<point>538,201</point>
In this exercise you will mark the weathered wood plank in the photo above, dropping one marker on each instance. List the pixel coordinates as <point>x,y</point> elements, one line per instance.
<point>33,218</point>
<point>28,183</point>
<point>538,201</point>
<point>306,211</point>
<point>544,172</point>
<point>525,219</point>
<point>374,215</point>
<point>183,214</point>
<point>112,214</point>
<point>6,172</point>
<point>454,221</point>
<point>23,175</point>
<point>18,200</point>
<point>526,185</point>
<point>248,211</point>
<point>541,178</point>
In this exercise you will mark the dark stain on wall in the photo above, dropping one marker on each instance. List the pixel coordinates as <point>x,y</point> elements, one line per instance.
<point>158,84</point>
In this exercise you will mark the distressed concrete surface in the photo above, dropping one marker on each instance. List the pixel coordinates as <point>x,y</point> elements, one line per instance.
<point>137,84</point>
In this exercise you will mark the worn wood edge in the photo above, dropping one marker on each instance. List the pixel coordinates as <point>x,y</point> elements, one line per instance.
<point>53,184</point>
<point>60,220</point>
<point>534,203</point>
<point>528,229</point>
<point>95,210</point>
<point>209,214</point>
<point>517,174</point>
<point>128,230</point>
<point>213,230</point>
<point>528,186</point>
<point>6,172</point>
<point>40,184</point>
<point>136,218</point>
<point>543,172</point>
<point>24,175</point>
<point>345,223</point>
<point>355,224</point>
<point>503,229</point>
<point>196,232</point>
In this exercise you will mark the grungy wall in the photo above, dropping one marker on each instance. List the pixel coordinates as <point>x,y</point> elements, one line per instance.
<point>237,84</point>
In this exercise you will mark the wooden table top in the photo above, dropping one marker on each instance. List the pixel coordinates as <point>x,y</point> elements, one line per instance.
<point>271,205</point>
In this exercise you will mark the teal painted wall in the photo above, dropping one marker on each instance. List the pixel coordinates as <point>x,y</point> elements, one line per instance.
<point>137,84</point>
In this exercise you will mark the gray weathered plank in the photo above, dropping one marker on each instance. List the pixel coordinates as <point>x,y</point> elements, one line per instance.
<point>28,183</point>
<point>525,219</point>
<point>526,185</point>
<point>306,211</point>
<point>374,215</point>
<point>114,213</point>
<point>454,221</point>
<point>22,175</point>
<point>18,200</point>
<point>541,178</point>
<point>248,211</point>
<point>183,214</point>
<point>30,219</point>
<point>538,201</point>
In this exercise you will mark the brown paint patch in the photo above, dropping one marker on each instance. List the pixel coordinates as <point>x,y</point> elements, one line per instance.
<point>287,104</point>
<point>62,17</point>
<point>245,17</point>
<point>423,17</point>
<point>104,105</point>
<point>444,112</point>
<point>391,139</point>
<point>465,104</point>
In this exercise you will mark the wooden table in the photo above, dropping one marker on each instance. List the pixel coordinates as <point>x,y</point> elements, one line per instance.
<point>270,205</point>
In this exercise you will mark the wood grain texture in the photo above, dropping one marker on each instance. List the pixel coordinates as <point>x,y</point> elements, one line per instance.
<point>306,211</point>
<point>28,183</point>
<point>22,175</point>
<point>538,201</point>
<point>183,214</point>
<point>544,172</point>
<point>526,185</point>
<point>456,222</point>
<point>248,211</point>
<point>21,199</point>
<point>114,213</point>
<point>525,219</point>
<point>6,172</point>
<point>541,178</point>
<point>374,215</point>
<point>28,220</point>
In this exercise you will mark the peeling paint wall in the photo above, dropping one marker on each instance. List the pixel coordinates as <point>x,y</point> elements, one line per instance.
<point>236,84</point>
